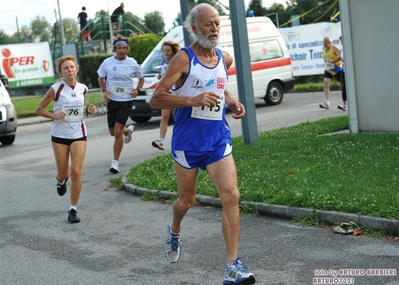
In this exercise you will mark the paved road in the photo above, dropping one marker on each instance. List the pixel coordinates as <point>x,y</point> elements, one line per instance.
<point>120,239</point>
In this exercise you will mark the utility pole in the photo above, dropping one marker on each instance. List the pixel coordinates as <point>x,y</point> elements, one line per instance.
<point>186,6</point>
<point>244,75</point>
<point>61,25</point>
<point>19,37</point>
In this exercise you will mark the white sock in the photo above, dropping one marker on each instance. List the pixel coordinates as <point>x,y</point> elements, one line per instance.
<point>172,233</point>
<point>161,140</point>
<point>73,207</point>
<point>327,102</point>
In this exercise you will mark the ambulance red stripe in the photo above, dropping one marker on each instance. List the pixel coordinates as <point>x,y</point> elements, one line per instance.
<point>263,65</point>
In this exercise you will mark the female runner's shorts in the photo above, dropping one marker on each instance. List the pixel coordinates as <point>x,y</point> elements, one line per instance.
<point>67,142</point>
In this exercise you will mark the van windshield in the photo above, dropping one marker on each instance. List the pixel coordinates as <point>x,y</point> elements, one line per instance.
<point>153,62</point>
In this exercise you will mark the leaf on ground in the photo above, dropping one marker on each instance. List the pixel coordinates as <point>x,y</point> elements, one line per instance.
<point>329,227</point>
<point>358,232</point>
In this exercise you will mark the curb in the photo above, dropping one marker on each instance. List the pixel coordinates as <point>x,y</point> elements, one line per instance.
<point>286,212</point>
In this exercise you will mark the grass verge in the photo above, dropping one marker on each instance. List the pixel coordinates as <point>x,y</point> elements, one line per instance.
<point>300,166</point>
<point>26,105</point>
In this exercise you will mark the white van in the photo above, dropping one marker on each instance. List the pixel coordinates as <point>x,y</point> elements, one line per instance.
<point>272,73</point>
<point>8,115</point>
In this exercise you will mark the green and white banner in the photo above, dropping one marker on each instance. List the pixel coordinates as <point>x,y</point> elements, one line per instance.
<point>27,64</point>
<point>305,45</point>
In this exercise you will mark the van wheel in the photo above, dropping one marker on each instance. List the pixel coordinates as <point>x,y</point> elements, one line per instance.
<point>274,94</point>
<point>140,119</point>
<point>7,140</point>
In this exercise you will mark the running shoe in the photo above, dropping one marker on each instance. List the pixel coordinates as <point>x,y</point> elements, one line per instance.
<point>73,216</point>
<point>342,107</point>
<point>114,167</point>
<point>62,188</point>
<point>172,247</point>
<point>158,144</point>
<point>324,106</point>
<point>237,273</point>
<point>128,138</point>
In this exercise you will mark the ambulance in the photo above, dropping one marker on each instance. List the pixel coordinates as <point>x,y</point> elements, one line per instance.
<point>272,73</point>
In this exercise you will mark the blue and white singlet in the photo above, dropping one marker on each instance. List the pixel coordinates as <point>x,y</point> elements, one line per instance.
<point>201,128</point>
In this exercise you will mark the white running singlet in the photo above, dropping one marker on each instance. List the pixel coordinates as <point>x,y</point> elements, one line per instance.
<point>71,100</point>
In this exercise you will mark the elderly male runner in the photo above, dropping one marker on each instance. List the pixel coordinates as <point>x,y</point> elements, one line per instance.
<point>197,77</point>
<point>115,77</point>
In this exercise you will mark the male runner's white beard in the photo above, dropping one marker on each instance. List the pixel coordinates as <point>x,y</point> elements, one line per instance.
<point>203,40</point>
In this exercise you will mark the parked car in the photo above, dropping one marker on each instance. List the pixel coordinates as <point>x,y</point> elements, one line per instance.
<point>8,115</point>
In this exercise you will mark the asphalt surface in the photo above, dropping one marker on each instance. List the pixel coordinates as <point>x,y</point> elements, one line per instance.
<point>120,239</point>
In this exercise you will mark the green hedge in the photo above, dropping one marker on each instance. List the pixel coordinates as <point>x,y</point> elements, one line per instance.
<point>89,65</point>
<point>140,48</point>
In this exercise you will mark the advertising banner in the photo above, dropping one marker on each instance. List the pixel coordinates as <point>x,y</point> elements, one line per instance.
<point>305,45</point>
<point>27,64</point>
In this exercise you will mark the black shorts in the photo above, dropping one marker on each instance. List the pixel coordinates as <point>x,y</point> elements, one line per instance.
<point>114,19</point>
<point>67,142</point>
<point>336,75</point>
<point>118,112</point>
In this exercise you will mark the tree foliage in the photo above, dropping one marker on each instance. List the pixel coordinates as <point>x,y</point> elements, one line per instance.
<point>99,24</point>
<point>257,7</point>
<point>309,11</point>
<point>155,22</point>
<point>134,24</point>
<point>178,20</point>
<point>215,4</point>
<point>71,29</point>
<point>25,35</point>
<point>4,38</point>
<point>40,30</point>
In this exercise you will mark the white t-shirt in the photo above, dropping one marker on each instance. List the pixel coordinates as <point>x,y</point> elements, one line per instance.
<point>119,77</point>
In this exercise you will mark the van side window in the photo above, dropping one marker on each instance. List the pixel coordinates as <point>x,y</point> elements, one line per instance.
<point>265,50</point>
